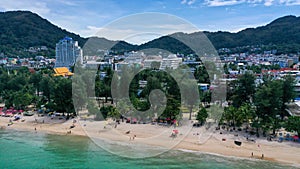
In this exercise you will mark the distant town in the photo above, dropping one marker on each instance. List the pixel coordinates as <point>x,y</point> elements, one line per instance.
<point>68,52</point>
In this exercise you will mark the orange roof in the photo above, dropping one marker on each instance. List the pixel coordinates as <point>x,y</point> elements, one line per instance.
<point>62,71</point>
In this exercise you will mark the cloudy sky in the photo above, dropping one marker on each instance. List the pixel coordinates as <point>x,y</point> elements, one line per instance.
<point>85,17</point>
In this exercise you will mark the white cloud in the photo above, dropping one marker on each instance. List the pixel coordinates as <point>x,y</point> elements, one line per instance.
<point>290,2</point>
<point>253,2</point>
<point>72,15</point>
<point>68,2</point>
<point>223,2</point>
<point>191,2</point>
<point>188,2</point>
<point>30,5</point>
<point>268,2</point>
<point>141,28</point>
<point>183,1</point>
<point>138,34</point>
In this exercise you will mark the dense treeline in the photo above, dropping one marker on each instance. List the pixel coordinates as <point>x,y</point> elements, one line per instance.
<point>282,35</point>
<point>21,88</point>
<point>20,30</point>
<point>260,106</point>
<point>127,82</point>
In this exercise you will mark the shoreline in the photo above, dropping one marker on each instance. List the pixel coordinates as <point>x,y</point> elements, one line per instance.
<point>282,153</point>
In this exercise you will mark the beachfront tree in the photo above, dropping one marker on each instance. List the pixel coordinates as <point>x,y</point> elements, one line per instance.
<point>230,115</point>
<point>293,124</point>
<point>243,89</point>
<point>4,78</point>
<point>237,116</point>
<point>288,93</point>
<point>246,113</point>
<point>113,113</point>
<point>268,102</point>
<point>79,92</point>
<point>46,86</point>
<point>63,96</point>
<point>172,109</point>
<point>107,83</point>
<point>106,111</point>
<point>202,115</point>
<point>22,99</point>
<point>191,96</point>
<point>35,80</point>
<point>124,106</point>
<point>92,108</point>
<point>17,82</point>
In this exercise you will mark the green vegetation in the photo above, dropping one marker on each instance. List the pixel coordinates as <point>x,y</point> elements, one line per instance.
<point>21,30</point>
<point>292,124</point>
<point>20,88</point>
<point>272,36</point>
<point>202,115</point>
<point>258,106</point>
<point>242,90</point>
<point>262,107</point>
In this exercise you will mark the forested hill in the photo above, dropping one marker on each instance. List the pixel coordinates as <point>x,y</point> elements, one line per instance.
<point>282,31</point>
<point>282,34</point>
<point>20,30</point>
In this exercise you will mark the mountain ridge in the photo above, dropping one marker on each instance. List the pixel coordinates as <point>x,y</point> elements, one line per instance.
<point>20,30</point>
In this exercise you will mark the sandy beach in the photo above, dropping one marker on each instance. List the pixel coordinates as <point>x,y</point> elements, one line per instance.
<point>155,135</point>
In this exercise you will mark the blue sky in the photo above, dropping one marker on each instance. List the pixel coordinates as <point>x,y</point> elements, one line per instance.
<point>85,17</point>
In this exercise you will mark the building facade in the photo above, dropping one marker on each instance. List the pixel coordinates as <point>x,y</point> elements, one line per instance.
<point>172,61</point>
<point>67,52</point>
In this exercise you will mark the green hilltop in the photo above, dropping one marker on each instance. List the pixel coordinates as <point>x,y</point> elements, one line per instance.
<point>20,30</point>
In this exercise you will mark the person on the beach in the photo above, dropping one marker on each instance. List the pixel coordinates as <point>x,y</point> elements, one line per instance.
<point>105,124</point>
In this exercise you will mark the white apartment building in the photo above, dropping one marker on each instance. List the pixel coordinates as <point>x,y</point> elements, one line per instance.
<point>172,61</point>
<point>151,59</point>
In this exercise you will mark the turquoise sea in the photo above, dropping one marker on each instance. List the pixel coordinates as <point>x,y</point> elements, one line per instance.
<point>29,150</point>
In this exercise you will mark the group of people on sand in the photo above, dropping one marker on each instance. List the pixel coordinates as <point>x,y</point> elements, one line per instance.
<point>72,126</point>
<point>262,155</point>
<point>133,137</point>
<point>130,137</point>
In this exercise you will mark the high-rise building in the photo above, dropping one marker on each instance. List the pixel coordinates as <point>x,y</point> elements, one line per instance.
<point>67,51</point>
